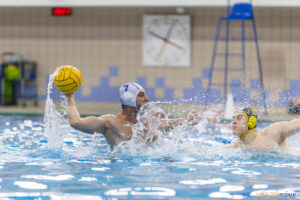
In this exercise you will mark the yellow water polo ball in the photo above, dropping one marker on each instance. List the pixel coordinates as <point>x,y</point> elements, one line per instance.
<point>68,79</point>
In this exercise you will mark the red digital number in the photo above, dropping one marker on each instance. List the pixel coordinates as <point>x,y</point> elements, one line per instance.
<point>61,11</point>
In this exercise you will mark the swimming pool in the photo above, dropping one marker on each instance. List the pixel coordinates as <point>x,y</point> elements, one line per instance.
<point>67,164</point>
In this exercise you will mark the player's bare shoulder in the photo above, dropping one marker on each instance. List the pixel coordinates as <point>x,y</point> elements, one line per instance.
<point>108,118</point>
<point>112,120</point>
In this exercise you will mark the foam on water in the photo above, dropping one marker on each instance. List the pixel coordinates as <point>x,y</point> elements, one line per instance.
<point>182,141</point>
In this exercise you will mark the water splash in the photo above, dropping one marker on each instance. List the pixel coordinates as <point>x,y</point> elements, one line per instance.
<point>56,124</point>
<point>229,108</point>
<point>61,139</point>
<point>150,139</point>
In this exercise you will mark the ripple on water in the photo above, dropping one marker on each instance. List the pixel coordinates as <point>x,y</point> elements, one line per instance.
<point>100,169</point>
<point>87,179</point>
<point>146,164</point>
<point>225,195</point>
<point>31,185</point>
<point>51,178</point>
<point>260,186</point>
<point>138,191</point>
<point>40,163</point>
<point>49,195</point>
<point>231,188</point>
<point>203,182</point>
<point>284,165</point>
<point>235,170</point>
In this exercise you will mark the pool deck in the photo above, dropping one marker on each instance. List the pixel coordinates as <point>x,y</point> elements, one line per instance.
<point>274,114</point>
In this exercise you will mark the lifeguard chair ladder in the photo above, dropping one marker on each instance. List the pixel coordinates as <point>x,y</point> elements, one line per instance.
<point>238,12</point>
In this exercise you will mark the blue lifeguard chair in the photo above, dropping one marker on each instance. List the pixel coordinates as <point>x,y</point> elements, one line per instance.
<point>238,12</point>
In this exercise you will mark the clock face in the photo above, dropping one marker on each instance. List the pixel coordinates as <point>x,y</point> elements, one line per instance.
<point>166,40</point>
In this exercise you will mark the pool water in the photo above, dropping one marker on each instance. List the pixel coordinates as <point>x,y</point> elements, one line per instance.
<point>43,161</point>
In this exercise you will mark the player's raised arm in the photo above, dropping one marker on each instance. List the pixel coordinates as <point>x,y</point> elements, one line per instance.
<point>284,129</point>
<point>88,124</point>
<point>68,80</point>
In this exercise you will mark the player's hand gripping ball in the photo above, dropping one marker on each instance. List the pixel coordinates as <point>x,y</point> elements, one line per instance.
<point>68,79</point>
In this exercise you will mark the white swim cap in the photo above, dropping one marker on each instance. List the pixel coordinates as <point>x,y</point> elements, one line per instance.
<point>128,93</point>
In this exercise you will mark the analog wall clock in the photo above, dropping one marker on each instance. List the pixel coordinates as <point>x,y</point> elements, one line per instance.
<point>166,40</point>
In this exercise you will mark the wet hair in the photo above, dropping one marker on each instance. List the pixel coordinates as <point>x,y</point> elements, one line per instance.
<point>250,113</point>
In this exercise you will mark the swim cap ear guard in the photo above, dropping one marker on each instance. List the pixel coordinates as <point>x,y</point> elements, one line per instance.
<point>128,93</point>
<point>252,122</point>
<point>251,118</point>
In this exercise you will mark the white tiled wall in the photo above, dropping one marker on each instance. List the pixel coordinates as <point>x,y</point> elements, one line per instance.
<point>93,39</point>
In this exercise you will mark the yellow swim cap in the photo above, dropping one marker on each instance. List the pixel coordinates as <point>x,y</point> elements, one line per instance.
<point>251,118</point>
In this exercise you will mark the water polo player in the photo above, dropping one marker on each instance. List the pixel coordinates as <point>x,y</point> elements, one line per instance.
<point>117,128</point>
<point>272,137</point>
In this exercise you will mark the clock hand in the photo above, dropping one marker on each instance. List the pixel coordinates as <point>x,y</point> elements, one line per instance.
<point>164,44</point>
<point>156,35</point>
<point>166,40</point>
<point>175,45</point>
<point>170,30</point>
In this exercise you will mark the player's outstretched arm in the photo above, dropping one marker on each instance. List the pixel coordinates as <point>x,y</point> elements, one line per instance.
<point>191,119</point>
<point>290,128</point>
<point>282,130</point>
